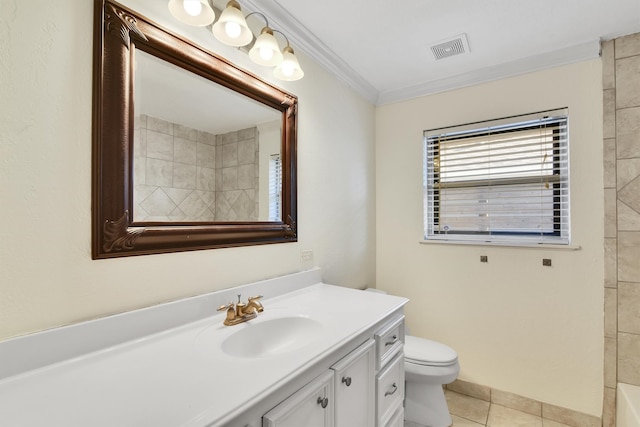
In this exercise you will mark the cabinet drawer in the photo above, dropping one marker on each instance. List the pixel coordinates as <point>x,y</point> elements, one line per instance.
<point>389,341</point>
<point>397,419</point>
<point>390,389</point>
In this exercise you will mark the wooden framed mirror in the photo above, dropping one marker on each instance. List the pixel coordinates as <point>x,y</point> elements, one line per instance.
<point>178,168</point>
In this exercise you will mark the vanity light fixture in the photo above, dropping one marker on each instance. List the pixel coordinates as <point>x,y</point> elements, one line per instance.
<point>192,12</point>
<point>289,69</point>
<point>265,50</point>
<point>232,30</point>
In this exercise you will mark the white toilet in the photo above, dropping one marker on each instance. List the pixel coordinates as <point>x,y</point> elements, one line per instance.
<point>428,365</point>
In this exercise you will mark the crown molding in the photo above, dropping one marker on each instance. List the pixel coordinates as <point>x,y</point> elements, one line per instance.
<point>557,58</point>
<point>303,39</point>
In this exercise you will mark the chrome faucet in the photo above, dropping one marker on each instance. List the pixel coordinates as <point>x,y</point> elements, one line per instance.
<point>241,312</point>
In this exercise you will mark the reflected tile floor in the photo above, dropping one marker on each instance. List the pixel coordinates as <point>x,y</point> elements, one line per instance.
<point>471,412</point>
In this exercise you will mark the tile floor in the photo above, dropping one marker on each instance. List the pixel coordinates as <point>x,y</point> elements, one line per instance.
<point>471,412</point>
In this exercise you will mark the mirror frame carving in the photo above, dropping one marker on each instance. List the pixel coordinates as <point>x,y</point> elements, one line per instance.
<point>118,32</point>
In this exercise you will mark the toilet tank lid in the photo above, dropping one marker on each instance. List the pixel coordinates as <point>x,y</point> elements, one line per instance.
<point>426,352</point>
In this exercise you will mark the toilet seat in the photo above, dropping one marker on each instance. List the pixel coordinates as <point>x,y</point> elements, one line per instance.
<point>425,352</point>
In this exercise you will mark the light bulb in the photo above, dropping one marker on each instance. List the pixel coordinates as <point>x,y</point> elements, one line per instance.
<point>232,29</point>
<point>266,53</point>
<point>192,7</point>
<point>287,68</point>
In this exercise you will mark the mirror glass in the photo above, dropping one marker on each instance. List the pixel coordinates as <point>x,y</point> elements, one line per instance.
<point>202,152</point>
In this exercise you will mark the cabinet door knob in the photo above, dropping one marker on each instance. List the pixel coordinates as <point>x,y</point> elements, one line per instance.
<point>394,389</point>
<point>347,381</point>
<point>392,342</point>
<point>323,402</point>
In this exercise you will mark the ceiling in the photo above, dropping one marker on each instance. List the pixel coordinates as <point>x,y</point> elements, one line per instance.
<point>383,50</point>
<point>194,101</point>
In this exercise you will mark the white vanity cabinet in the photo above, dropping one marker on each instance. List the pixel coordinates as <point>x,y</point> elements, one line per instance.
<point>390,375</point>
<point>354,385</point>
<point>389,341</point>
<point>311,406</point>
<point>390,390</point>
<point>397,420</point>
<point>341,397</point>
<point>365,388</point>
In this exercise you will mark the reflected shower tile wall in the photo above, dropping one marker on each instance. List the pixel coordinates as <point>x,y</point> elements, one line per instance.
<point>237,175</point>
<point>182,174</point>
<point>184,150</point>
<point>206,154</point>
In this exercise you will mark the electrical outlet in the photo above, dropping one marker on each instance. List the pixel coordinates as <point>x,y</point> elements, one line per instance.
<point>546,262</point>
<point>484,258</point>
<point>306,255</point>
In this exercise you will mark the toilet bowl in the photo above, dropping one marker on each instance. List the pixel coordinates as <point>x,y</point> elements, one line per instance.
<point>428,365</point>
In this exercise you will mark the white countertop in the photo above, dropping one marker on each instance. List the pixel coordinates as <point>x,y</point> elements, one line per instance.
<point>180,377</point>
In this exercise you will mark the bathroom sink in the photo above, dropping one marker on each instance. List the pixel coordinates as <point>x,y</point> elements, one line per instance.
<point>271,337</point>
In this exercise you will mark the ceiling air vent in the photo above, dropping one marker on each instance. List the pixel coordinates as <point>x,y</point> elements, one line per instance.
<point>451,47</point>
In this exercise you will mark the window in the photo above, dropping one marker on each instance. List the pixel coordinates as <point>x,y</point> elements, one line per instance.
<point>505,180</point>
<point>275,187</point>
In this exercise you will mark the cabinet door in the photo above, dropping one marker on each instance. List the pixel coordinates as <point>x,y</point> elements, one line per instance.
<point>355,388</point>
<point>311,406</point>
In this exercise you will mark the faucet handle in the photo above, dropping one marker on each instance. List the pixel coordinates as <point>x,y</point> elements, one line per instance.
<point>254,298</point>
<point>225,306</point>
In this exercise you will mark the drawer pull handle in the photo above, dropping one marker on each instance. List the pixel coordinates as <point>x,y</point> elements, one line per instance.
<point>323,402</point>
<point>389,393</point>
<point>392,342</point>
<point>347,381</point>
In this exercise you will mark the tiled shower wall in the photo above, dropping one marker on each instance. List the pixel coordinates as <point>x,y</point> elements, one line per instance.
<point>183,174</point>
<point>621,83</point>
<point>237,176</point>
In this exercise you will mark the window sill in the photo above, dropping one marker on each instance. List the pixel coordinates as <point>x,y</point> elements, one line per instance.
<point>545,246</point>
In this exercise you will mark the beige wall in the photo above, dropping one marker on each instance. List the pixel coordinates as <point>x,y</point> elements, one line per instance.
<point>517,326</point>
<point>47,277</point>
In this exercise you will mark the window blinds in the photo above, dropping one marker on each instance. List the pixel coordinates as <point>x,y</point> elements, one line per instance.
<point>275,188</point>
<point>503,180</point>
